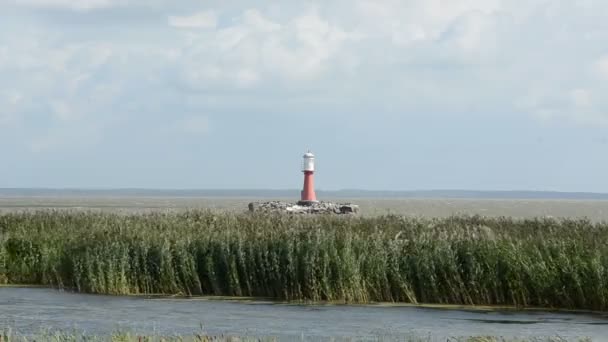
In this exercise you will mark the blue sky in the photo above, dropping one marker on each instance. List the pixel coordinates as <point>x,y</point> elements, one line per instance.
<point>390,95</point>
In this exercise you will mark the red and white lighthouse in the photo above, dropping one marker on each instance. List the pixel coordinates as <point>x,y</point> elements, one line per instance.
<point>308,167</point>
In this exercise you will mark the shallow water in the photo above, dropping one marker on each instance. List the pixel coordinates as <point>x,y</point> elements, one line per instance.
<point>30,310</point>
<point>594,210</point>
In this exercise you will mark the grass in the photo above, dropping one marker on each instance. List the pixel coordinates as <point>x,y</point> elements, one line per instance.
<point>457,260</point>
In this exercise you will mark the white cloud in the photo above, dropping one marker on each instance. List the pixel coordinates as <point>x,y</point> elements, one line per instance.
<point>198,125</point>
<point>255,50</point>
<point>100,81</point>
<point>417,55</point>
<point>62,111</point>
<point>407,22</point>
<point>579,105</point>
<point>12,103</point>
<point>204,20</point>
<point>434,55</point>
<point>63,93</point>
<point>246,78</point>
<point>581,98</point>
<point>71,136</point>
<point>584,109</point>
<point>602,67</point>
<point>14,98</point>
<point>257,21</point>
<point>78,5</point>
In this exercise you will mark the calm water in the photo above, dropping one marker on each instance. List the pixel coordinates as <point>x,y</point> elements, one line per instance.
<point>29,310</point>
<point>595,210</point>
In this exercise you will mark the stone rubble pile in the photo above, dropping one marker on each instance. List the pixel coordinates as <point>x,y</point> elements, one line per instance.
<point>304,207</point>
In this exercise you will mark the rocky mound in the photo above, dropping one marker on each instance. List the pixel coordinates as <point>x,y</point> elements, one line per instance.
<point>304,207</point>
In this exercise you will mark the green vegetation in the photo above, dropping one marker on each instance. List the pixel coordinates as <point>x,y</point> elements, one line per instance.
<point>458,260</point>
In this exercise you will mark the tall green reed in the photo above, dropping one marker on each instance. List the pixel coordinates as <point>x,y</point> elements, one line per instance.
<point>456,260</point>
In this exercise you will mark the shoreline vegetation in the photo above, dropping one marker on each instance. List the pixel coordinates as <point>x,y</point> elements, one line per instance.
<point>462,260</point>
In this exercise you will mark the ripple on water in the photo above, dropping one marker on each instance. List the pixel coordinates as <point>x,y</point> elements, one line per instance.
<point>29,309</point>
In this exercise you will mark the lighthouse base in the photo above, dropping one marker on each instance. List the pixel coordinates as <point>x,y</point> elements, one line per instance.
<point>309,207</point>
<point>307,203</point>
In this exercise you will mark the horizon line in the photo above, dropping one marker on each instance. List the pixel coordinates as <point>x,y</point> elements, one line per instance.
<point>295,189</point>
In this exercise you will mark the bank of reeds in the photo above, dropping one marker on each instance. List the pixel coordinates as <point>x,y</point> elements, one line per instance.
<point>457,260</point>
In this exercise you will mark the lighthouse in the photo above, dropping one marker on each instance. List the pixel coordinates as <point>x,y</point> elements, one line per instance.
<point>308,167</point>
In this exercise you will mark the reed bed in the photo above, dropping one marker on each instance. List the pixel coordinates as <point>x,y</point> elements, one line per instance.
<point>457,260</point>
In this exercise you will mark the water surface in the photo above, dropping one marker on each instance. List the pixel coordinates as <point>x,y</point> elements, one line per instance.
<point>28,310</point>
<point>595,210</point>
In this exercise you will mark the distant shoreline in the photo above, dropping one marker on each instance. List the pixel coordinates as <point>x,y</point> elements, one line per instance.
<point>292,193</point>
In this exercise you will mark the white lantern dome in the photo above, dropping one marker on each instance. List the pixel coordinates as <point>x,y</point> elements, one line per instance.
<point>308,162</point>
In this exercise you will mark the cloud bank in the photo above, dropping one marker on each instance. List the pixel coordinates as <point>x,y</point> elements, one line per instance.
<point>73,71</point>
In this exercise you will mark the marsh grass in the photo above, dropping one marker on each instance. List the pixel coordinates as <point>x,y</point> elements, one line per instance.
<point>457,260</point>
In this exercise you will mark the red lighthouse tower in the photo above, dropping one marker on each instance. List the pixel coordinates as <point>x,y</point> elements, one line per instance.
<point>308,167</point>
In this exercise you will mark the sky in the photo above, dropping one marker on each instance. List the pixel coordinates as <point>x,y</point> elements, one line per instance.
<point>389,95</point>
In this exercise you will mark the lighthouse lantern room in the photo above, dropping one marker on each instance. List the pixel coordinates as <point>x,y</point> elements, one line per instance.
<point>308,164</point>
<point>308,195</point>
